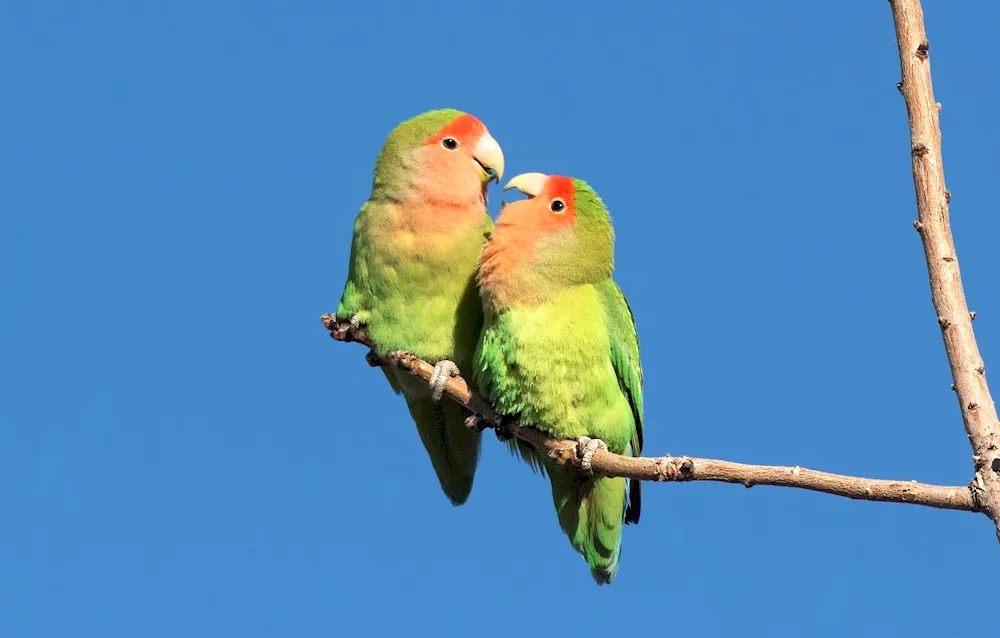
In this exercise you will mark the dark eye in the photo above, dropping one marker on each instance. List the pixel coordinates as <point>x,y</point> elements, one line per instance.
<point>449,143</point>
<point>557,206</point>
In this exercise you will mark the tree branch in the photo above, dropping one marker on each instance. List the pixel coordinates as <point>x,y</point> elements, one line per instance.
<point>979,413</point>
<point>668,468</point>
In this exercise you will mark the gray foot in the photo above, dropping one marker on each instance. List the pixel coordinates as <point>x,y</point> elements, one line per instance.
<point>443,371</point>
<point>585,448</point>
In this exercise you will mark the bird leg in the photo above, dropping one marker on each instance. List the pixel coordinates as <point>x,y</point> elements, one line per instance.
<point>443,370</point>
<point>585,448</point>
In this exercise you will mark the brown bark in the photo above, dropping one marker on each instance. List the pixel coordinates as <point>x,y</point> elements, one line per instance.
<point>979,413</point>
<point>671,468</point>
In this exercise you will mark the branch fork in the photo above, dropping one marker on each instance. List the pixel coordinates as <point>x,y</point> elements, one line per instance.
<point>979,414</point>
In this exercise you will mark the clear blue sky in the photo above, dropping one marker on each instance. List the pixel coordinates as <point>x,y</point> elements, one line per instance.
<point>185,452</point>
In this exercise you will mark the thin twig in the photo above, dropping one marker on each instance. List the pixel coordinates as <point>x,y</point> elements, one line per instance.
<point>670,468</point>
<point>979,413</point>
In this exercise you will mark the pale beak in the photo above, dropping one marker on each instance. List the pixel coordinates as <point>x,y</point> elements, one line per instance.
<point>531,184</point>
<point>488,154</point>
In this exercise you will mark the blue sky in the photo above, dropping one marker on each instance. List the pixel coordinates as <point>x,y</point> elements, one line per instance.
<point>184,451</point>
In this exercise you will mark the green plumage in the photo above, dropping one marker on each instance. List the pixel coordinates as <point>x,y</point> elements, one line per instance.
<point>562,355</point>
<point>411,281</point>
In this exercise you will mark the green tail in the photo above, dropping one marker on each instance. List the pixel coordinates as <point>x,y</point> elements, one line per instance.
<point>591,513</point>
<point>452,447</point>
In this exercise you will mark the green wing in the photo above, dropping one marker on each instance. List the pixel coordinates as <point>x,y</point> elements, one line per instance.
<point>625,358</point>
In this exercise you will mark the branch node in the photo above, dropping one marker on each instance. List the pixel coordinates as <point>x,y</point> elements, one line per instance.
<point>920,149</point>
<point>919,226</point>
<point>923,49</point>
<point>562,456</point>
<point>476,423</point>
<point>506,428</point>
<point>972,315</point>
<point>947,196</point>
<point>972,406</point>
<point>943,322</point>
<point>662,468</point>
<point>687,467</point>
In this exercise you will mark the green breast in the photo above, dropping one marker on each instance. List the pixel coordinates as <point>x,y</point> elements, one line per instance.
<point>420,295</point>
<point>551,365</point>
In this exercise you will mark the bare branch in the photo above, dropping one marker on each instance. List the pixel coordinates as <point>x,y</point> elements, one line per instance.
<point>670,468</point>
<point>979,413</point>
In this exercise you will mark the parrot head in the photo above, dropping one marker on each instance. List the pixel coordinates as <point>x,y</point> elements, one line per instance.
<point>445,157</point>
<point>560,237</point>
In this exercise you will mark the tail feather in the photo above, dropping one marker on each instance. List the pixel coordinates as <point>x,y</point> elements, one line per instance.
<point>591,513</point>
<point>452,447</point>
<point>634,502</point>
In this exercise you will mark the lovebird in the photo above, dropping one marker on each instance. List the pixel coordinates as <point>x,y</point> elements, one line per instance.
<point>559,351</point>
<point>411,277</point>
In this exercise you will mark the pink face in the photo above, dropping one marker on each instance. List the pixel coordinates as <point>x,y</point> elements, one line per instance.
<point>459,161</point>
<point>520,227</point>
<point>550,208</point>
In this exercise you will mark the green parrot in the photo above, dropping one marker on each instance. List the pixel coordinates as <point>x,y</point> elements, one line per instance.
<point>411,278</point>
<point>559,351</point>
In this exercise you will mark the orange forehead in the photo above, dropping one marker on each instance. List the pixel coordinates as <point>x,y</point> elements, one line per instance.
<point>464,127</point>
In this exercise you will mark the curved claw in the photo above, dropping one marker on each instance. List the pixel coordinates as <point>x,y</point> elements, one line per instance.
<point>585,448</point>
<point>443,371</point>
